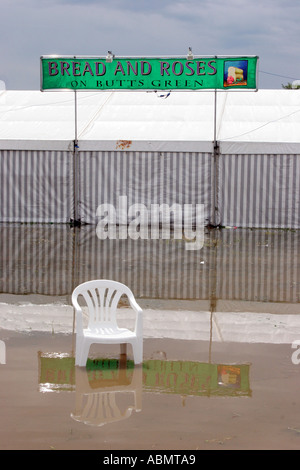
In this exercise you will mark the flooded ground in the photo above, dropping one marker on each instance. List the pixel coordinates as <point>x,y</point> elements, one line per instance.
<point>221,342</point>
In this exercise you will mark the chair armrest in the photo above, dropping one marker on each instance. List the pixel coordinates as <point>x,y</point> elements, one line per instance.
<point>134,304</point>
<point>139,316</point>
<point>139,323</point>
<point>78,314</point>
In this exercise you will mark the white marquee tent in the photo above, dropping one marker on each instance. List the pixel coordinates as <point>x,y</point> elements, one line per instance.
<point>153,147</point>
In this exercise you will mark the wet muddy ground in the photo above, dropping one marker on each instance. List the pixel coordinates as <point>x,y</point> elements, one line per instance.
<point>219,371</point>
<point>39,415</point>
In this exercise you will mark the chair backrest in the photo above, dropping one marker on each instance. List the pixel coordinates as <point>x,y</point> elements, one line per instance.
<point>102,298</point>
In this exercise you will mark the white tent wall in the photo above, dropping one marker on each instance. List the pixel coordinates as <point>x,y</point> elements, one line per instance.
<point>151,147</point>
<point>259,164</point>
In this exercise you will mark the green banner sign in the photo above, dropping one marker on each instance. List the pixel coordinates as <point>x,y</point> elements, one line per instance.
<point>104,73</point>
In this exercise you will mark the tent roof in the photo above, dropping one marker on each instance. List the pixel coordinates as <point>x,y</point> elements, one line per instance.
<point>266,121</point>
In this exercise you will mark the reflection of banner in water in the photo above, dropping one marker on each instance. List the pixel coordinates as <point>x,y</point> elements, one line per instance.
<point>57,373</point>
<point>236,264</point>
<point>196,378</point>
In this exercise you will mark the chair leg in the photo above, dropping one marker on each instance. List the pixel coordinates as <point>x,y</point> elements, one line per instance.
<point>137,348</point>
<point>78,350</point>
<point>82,353</point>
<point>2,352</point>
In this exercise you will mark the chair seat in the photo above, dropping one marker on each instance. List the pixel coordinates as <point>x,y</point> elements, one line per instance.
<point>108,333</point>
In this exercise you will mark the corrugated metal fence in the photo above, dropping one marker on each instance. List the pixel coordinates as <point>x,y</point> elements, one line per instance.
<point>260,190</point>
<point>252,190</point>
<point>36,186</point>
<point>241,264</point>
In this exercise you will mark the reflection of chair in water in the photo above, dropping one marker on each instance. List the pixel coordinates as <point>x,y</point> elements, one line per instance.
<point>102,297</point>
<point>2,353</point>
<point>98,399</point>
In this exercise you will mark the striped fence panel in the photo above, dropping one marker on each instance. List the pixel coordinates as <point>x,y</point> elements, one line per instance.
<point>36,186</point>
<point>252,265</point>
<point>252,190</point>
<point>36,259</point>
<point>153,269</point>
<point>259,191</point>
<point>144,177</point>
<point>260,265</point>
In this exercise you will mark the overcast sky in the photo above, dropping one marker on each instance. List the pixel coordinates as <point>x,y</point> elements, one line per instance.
<point>31,28</point>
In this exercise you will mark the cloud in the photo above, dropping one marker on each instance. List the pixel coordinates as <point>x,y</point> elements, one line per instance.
<point>140,27</point>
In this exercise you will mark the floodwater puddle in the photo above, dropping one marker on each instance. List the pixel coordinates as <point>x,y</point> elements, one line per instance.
<point>221,342</point>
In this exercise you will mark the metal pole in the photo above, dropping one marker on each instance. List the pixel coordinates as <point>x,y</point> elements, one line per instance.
<point>75,165</point>
<point>215,157</point>
<point>75,93</point>
<point>215,119</point>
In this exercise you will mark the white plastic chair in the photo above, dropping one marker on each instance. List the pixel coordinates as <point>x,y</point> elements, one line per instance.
<point>102,298</point>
